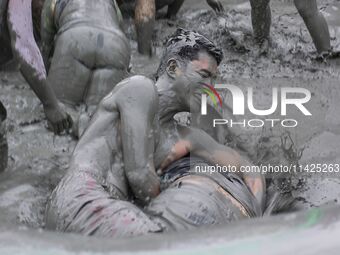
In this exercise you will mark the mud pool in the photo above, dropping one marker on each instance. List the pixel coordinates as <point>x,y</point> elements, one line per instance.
<point>38,159</point>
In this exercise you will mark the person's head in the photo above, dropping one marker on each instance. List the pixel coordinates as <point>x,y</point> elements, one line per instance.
<point>189,61</point>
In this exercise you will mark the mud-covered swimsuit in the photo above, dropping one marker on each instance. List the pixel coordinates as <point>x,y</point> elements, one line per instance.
<point>230,182</point>
<point>190,199</point>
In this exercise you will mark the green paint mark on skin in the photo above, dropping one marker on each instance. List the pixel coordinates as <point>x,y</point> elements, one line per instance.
<point>211,95</point>
<point>312,218</point>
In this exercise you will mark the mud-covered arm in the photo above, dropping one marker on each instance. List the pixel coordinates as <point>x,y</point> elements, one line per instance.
<point>32,67</point>
<point>137,105</point>
<point>202,145</point>
<point>48,30</point>
<point>145,12</point>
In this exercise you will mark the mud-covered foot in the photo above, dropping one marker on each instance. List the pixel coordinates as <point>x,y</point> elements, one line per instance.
<point>327,55</point>
<point>262,48</point>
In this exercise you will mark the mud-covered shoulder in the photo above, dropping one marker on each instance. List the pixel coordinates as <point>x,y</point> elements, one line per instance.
<point>136,91</point>
<point>137,86</point>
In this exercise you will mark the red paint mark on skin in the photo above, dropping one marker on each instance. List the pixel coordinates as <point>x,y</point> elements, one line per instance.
<point>215,92</point>
<point>98,212</point>
<point>97,209</point>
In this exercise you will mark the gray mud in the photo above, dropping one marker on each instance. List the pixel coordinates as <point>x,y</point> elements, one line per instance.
<point>38,159</point>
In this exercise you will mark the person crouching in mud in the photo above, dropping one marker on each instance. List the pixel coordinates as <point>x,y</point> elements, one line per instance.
<point>90,53</point>
<point>3,140</point>
<point>308,10</point>
<point>131,135</point>
<point>17,30</point>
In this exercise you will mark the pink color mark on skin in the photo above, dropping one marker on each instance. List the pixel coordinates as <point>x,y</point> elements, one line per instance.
<point>20,20</point>
<point>127,220</point>
<point>91,183</point>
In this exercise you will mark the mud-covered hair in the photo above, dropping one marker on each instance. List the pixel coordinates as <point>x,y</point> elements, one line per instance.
<point>185,45</point>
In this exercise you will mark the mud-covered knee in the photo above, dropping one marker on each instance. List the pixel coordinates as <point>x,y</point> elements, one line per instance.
<point>3,140</point>
<point>259,4</point>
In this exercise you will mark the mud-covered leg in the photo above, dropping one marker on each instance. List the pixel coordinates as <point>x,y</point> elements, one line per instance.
<point>316,24</point>
<point>81,204</point>
<point>261,19</point>
<point>3,141</point>
<point>174,8</point>
<point>144,21</point>
<point>68,77</point>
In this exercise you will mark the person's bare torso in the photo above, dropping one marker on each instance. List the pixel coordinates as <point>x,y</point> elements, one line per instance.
<point>100,148</point>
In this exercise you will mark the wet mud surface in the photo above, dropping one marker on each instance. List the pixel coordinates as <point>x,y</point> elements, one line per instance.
<point>38,159</point>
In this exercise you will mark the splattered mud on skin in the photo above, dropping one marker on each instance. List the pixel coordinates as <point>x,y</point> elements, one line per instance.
<point>38,159</point>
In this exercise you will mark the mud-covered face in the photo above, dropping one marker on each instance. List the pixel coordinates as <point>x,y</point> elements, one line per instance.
<point>192,77</point>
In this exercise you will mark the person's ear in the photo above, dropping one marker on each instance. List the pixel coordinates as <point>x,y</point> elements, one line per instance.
<point>172,67</point>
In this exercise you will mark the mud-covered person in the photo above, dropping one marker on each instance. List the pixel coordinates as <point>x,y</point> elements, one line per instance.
<point>17,40</point>
<point>3,140</point>
<point>85,50</point>
<point>131,135</point>
<point>308,10</point>
<point>144,12</point>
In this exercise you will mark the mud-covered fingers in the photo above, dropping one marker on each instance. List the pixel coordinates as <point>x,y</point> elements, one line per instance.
<point>68,122</point>
<point>60,127</point>
<point>65,124</point>
<point>216,5</point>
<point>220,8</point>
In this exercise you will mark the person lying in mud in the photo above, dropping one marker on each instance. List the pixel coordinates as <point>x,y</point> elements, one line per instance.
<point>3,140</point>
<point>133,135</point>
<point>144,12</point>
<point>17,39</point>
<point>88,50</point>
<point>308,10</point>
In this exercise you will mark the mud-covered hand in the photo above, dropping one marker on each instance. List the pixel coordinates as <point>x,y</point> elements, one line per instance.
<point>216,5</point>
<point>58,118</point>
